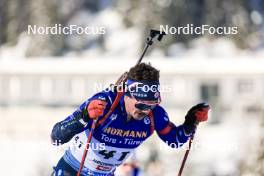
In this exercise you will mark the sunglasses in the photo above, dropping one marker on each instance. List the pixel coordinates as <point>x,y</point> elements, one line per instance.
<point>144,105</point>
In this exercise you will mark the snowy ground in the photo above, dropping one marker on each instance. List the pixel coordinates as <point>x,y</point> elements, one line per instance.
<point>26,148</point>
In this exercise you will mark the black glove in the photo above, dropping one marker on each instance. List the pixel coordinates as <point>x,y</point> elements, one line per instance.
<point>196,114</point>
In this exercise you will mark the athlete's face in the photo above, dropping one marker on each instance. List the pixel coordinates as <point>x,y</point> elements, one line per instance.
<point>131,109</point>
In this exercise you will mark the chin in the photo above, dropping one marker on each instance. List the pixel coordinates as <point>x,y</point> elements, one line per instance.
<point>139,116</point>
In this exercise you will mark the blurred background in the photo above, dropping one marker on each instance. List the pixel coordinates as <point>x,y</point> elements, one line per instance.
<point>43,78</point>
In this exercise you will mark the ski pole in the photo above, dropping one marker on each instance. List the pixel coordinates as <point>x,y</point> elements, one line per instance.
<point>186,155</point>
<point>122,79</point>
<point>203,116</point>
<point>87,147</point>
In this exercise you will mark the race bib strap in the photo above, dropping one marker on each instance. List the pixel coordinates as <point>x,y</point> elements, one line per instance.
<point>152,125</point>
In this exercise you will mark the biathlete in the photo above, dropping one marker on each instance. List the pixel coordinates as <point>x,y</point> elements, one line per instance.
<point>134,119</point>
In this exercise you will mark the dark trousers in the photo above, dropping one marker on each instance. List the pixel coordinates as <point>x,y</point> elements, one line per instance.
<point>63,169</point>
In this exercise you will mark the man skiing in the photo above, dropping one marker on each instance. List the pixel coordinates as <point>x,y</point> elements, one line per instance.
<point>136,116</point>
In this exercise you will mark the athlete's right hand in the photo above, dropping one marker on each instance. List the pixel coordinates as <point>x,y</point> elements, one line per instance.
<point>96,108</point>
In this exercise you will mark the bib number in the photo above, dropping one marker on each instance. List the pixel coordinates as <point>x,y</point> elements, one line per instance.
<point>110,154</point>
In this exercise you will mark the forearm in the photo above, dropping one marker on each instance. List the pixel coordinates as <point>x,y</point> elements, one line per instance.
<point>63,131</point>
<point>174,135</point>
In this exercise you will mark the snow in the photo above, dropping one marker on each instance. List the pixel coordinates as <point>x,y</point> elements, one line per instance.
<point>25,130</point>
<point>25,143</point>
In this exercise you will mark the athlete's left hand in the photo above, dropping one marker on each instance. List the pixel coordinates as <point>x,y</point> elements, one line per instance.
<point>197,114</point>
